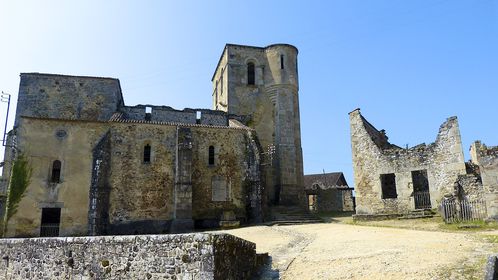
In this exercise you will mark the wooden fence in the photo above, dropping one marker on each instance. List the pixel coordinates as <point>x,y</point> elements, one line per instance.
<point>455,211</point>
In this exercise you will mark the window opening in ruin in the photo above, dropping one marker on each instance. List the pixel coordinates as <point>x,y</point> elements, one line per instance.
<point>56,171</point>
<point>198,116</point>
<point>421,194</point>
<point>250,74</point>
<point>281,61</point>
<point>148,113</point>
<point>312,202</point>
<point>147,151</point>
<point>388,183</point>
<point>211,155</point>
<point>50,222</point>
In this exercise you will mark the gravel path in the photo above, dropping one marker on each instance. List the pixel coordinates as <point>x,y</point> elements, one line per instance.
<point>339,251</point>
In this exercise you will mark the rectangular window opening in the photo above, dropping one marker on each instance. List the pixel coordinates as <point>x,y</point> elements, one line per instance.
<point>282,61</point>
<point>148,113</point>
<point>388,183</point>
<point>198,116</point>
<point>211,156</point>
<point>50,222</point>
<point>147,152</point>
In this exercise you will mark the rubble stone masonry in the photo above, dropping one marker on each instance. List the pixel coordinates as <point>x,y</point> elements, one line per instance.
<point>177,256</point>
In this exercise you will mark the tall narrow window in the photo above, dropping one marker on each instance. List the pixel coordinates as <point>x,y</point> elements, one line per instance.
<point>211,155</point>
<point>281,61</point>
<point>221,84</point>
<point>56,172</point>
<point>147,153</point>
<point>250,73</point>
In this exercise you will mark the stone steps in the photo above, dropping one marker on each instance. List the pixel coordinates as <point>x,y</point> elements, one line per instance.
<point>418,214</point>
<point>282,215</point>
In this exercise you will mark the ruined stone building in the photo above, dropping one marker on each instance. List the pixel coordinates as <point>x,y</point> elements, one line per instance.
<point>99,166</point>
<point>328,192</point>
<point>391,180</point>
<point>487,159</point>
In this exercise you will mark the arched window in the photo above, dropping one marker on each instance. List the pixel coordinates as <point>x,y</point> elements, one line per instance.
<point>147,153</point>
<point>250,73</point>
<point>211,155</point>
<point>56,172</point>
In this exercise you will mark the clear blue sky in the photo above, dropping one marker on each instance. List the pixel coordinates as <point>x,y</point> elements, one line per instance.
<point>407,64</point>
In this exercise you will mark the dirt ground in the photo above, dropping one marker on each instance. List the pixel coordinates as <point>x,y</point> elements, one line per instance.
<point>343,251</point>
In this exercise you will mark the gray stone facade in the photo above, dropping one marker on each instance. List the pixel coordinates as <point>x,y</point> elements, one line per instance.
<point>394,180</point>
<point>183,256</point>
<point>67,97</point>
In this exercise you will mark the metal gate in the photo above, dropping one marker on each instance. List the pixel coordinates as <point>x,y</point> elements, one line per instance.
<point>461,211</point>
<point>422,200</point>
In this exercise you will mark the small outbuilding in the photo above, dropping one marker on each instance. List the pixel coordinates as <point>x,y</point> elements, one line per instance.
<point>328,192</point>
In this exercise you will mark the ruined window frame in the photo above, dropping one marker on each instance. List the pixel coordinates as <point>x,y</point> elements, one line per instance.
<point>55,174</point>
<point>386,191</point>
<point>147,154</point>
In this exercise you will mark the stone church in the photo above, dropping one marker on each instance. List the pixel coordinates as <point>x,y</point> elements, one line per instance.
<point>97,166</point>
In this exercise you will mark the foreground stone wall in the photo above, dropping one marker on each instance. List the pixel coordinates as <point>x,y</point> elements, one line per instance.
<point>373,155</point>
<point>185,256</point>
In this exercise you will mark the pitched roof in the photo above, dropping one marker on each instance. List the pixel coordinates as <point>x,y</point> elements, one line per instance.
<point>325,180</point>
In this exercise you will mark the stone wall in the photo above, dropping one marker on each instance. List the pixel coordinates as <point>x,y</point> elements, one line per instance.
<point>168,114</point>
<point>333,199</point>
<point>107,188</point>
<point>185,256</point>
<point>67,97</point>
<point>487,160</point>
<point>373,155</point>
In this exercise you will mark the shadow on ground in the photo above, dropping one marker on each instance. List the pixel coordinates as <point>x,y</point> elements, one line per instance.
<point>266,272</point>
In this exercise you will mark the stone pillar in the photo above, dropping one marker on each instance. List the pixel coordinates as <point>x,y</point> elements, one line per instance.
<point>183,221</point>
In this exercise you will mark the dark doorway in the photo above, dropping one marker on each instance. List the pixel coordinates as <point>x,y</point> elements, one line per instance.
<point>312,202</point>
<point>50,222</point>
<point>388,183</point>
<point>421,194</point>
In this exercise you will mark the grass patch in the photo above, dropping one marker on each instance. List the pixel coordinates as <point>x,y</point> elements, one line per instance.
<point>470,226</point>
<point>490,238</point>
<point>468,270</point>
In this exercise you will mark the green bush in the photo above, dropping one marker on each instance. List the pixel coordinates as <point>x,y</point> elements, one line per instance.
<point>20,179</point>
